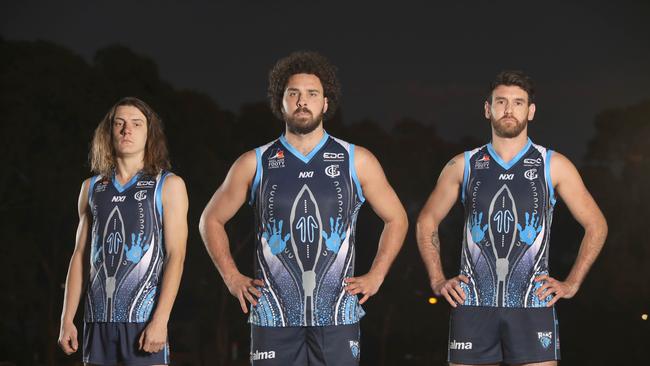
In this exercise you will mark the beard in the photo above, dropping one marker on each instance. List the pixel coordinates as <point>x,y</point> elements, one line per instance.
<point>505,129</point>
<point>304,124</point>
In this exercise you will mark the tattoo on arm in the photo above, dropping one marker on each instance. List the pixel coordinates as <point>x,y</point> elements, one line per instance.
<point>435,241</point>
<point>451,162</point>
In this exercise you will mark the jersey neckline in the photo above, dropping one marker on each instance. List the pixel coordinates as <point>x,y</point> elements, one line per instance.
<point>514,160</point>
<point>121,188</point>
<point>305,158</point>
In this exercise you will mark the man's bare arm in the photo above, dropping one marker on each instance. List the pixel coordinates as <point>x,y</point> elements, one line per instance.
<point>571,189</point>
<point>74,282</point>
<point>175,205</point>
<point>441,200</point>
<point>223,205</point>
<point>387,206</point>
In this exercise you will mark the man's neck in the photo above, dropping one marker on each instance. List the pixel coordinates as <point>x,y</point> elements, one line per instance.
<point>307,142</point>
<point>508,148</point>
<point>128,166</point>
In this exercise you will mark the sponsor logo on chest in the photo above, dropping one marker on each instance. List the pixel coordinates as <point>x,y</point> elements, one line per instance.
<point>532,162</point>
<point>118,199</point>
<point>101,187</point>
<point>483,162</point>
<point>276,159</point>
<point>330,156</point>
<point>309,174</point>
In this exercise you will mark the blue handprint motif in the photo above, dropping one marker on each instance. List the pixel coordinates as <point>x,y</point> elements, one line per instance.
<point>529,233</point>
<point>134,253</point>
<point>337,235</point>
<point>273,236</point>
<point>478,232</point>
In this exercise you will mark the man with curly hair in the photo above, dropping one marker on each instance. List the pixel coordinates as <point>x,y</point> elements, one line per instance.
<point>306,188</point>
<point>133,215</point>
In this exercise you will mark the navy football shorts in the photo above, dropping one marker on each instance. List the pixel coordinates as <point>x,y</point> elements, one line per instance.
<point>485,334</point>
<point>305,346</point>
<point>111,343</point>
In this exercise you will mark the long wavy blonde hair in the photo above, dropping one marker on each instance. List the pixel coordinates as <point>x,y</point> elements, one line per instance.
<point>102,151</point>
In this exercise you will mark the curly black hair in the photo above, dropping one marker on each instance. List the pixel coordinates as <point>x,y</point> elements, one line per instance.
<point>514,78</point>
<point>304,62</point>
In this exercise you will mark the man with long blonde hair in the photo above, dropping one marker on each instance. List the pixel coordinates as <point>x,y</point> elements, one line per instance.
<point>135,211</point>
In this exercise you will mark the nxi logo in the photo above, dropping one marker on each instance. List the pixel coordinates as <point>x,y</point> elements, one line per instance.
<point>506,176</point>
<point>306,174</point>
<point>118,198</point>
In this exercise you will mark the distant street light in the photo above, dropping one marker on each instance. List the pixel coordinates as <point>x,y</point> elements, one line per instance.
<point>644,316</point>
<point>433,301</point>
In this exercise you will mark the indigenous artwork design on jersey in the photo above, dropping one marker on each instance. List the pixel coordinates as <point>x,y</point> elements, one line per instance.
<point>305,211</point>
<point>127,251</point>
<point>508,214</point>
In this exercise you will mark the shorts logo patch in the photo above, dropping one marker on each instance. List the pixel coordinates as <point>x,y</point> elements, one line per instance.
<point>460,345</point>
<point>355,349</point>
<point>258,356</point>
<point>545,339</point>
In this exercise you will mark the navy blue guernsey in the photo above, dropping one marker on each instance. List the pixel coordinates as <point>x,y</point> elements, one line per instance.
<point>127,251</point>
<point>305,215</point>
<point>508,215</point>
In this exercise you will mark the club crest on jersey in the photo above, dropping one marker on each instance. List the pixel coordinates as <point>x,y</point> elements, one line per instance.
<point>276,159</point>
<point>545,339</point>
<point>482,163</point>
<point>140,195</point>
<point>333,171</point>
<point>531,174</point>
<point>355,349</point>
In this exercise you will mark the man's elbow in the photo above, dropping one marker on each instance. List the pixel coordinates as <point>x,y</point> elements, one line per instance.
<point>603,228</point>
<point>598,229</point>
<point>175,257</point>
<point>205,222</point>
<point>426,222</point>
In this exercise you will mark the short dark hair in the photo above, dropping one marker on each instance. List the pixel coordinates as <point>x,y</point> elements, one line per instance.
<point>304,62</point>
<point>513,78</point>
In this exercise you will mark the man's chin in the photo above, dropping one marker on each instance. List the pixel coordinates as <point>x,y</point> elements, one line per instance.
<point>510,131</point>
<point>301,126</point>
<point>509,134</point>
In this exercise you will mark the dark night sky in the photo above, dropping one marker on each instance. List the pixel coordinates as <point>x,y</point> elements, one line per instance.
<point>428,62</point>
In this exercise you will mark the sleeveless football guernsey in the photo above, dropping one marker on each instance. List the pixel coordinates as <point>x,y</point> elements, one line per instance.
<point>305,215</point>
<point>508,215</point>
<point>127,251</point>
